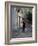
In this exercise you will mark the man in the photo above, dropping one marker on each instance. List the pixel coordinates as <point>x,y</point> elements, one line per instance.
<point>23,25</point>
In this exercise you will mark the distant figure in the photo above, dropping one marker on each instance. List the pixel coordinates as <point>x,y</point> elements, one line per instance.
<point>23,26</point>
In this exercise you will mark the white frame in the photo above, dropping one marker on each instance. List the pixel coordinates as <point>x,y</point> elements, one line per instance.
<point>7,23</point>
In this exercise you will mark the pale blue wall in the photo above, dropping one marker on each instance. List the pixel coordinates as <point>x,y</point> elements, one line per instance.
<point>13,18</point>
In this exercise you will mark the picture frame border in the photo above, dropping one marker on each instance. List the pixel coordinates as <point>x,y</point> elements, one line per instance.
<point>7,23</point>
